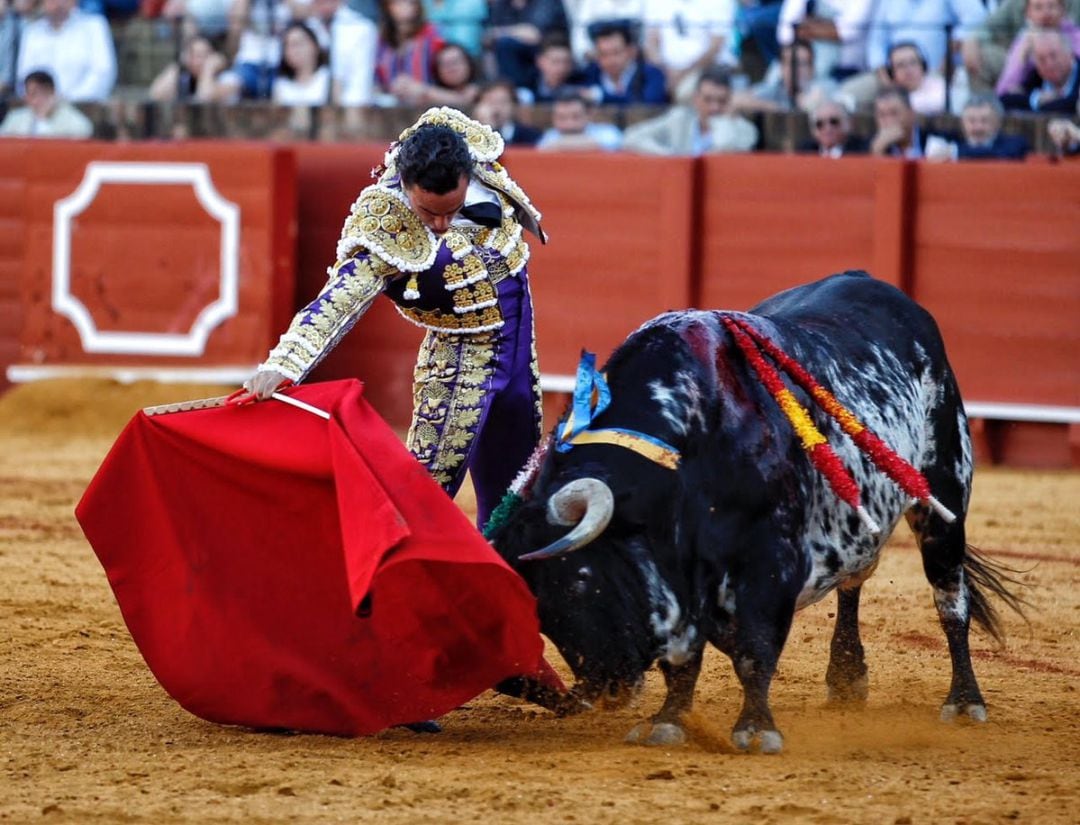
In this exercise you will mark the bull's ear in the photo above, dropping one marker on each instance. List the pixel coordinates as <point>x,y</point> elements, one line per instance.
<point>586,503</point>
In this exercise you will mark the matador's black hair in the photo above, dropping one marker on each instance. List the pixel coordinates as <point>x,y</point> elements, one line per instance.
<point>434,158</point>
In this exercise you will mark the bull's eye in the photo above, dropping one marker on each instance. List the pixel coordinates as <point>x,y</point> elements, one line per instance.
<point>581,582</point>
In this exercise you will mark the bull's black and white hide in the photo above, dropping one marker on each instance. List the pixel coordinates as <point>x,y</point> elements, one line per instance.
<point>745,531</point>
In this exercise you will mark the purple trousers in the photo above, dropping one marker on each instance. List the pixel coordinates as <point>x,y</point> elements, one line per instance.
<point>476,401</point>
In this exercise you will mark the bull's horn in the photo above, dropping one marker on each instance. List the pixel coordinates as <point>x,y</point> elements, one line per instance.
<point>585,503</point>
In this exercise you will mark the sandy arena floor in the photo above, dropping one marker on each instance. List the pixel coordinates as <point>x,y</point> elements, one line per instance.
<point>87,735</point>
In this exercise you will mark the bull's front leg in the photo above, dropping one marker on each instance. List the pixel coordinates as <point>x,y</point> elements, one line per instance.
<point>759,639</point>
<point>666,728</point>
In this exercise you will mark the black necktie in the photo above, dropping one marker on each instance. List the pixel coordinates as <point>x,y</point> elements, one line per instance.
<point>484,213</point>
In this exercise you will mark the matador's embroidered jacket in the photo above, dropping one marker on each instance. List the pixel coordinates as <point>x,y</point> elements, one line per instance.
<point>445,283</point>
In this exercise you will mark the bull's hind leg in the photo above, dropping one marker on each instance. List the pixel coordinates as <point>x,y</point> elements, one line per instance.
<point>943,549</point>
<point>846,675</point>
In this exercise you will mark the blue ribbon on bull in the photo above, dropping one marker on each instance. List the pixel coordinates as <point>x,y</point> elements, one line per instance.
<point>588,385</point>
<point>591,397</point>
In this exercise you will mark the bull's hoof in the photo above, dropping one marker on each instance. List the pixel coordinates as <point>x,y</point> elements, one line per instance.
<point>768,741</point>
<point>662,733</point>
<point>976,711</point>
<point>848,694</point>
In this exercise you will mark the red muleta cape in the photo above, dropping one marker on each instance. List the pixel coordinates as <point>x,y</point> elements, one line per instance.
<point>278,570</point>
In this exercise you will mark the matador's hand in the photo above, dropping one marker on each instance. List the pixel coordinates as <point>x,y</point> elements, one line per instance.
<point>259,387</point>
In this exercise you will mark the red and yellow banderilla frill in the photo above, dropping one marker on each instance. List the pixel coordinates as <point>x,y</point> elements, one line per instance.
<point>753,344</point>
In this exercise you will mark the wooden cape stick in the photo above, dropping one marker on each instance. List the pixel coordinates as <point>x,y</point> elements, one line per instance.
<point>184,406</point>
<point>221,400</point>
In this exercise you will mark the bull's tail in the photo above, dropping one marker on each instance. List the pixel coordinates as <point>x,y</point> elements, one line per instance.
<point>985,577</point>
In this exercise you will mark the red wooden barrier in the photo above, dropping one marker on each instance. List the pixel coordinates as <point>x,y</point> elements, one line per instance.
<point>13,184</point>
<point>996,249</point>
<point>142,254</point>
<point>990,249</point>
<point>770,222</point>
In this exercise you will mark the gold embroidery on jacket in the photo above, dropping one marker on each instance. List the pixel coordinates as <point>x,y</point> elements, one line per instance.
<point>382,221</point>
<point>315,329</point>
<point>478,321</point>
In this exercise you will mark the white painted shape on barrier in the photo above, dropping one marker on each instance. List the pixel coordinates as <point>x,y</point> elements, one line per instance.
<point>227,213</point>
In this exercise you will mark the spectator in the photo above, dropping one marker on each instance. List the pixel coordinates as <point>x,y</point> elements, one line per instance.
<point>554,72</point>
<point>594,14</point>
<point>572,128</point>
<point>407,47</point>
<point>710,124</point>
<point>984,50</point>
<point>793,79</point>
<point>459,21</point>
<point>193,77</point>
<point>830,125</point>
<point>1065,136</point>
<point>454,81</point>
<point>982,139</point>
<point>515,30</point>
<point>898,133</point>
<point>1053,84</point>
<point>205,17</point>
<point>255,28</point>
<point>1041,15</point>
<point>303,78</point>
<point>619,75</point>
<point>907,68</point>
<point>496,105</point>
<point>351,40</point>
<point>922,22</point>
<point>45,114</point>
<point>74,47</point>
<point>835,28</point>
<point>685,37</point>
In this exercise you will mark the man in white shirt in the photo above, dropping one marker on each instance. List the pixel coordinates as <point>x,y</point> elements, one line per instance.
<point>75,48</point>
<point>684,37</point>
<point>837,29</point>
<point>351,40</point>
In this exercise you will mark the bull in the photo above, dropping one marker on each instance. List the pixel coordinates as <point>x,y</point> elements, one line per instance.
<point>687,510</point>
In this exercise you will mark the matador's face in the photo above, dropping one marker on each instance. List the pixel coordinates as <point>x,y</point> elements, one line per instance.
<point>437,211</point>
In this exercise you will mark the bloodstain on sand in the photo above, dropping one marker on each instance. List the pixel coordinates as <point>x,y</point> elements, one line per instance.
<point>87,735</point>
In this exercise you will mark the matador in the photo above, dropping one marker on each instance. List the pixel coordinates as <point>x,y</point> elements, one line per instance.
<point>440,233</point>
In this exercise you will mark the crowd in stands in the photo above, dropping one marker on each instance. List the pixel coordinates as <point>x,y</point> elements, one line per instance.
<point>709,68</point>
